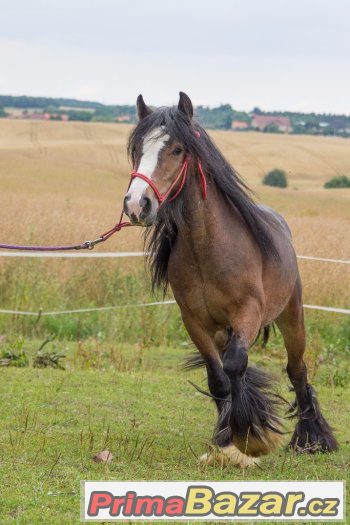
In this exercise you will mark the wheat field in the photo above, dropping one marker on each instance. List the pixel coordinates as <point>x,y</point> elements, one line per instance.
<point>64,183</point>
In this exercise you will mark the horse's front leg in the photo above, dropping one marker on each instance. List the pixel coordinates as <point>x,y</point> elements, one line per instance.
<point>219,387</point>
<point>255,426</point>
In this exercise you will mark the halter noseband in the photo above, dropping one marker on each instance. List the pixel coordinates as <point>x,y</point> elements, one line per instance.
<point>182,176</point>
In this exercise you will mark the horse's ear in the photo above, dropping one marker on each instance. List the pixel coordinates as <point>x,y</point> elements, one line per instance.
<point>142,109</point>
<point>185,105</point>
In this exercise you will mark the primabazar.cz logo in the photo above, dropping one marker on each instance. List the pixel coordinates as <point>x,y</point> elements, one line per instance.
<point>229,500</point>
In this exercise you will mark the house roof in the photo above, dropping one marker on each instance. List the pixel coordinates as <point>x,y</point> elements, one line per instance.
<point>265,120</point>
<point>239,124</point>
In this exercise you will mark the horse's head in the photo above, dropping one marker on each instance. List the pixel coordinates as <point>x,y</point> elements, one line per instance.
<point>159,154</point>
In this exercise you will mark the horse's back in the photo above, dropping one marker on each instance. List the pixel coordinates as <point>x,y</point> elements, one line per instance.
<point>273,216</point>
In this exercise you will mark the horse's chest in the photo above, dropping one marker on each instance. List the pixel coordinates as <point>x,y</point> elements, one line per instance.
<point>202,294</point>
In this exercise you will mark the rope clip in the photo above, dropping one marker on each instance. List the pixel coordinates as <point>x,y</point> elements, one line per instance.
<point>90,245</point>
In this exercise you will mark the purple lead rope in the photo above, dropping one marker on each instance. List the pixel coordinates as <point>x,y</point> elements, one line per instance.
<point>87,245</point>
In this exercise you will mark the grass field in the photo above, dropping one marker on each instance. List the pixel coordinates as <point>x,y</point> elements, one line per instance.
<point>141,408</point>
<point>123,388</point>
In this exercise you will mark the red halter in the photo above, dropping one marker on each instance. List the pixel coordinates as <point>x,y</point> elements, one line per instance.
<point>182,176</point>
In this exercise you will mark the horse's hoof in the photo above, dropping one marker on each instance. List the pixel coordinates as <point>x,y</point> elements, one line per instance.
<point>226,456</point>
<point>256,447</point>
<point>313,435</point>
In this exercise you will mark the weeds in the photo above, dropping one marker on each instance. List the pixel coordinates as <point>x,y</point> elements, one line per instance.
<point>47,358</point>
<point>13,354</point>
<point>341,377</point>
<point>9,358</point>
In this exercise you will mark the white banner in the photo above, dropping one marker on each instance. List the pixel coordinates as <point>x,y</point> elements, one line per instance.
<point>213,500</point>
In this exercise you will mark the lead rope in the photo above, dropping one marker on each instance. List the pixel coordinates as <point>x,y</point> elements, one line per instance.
<point>89,245</point>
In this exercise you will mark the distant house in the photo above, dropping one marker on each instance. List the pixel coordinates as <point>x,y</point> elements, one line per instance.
<point>262,122</point>
<point>123,118</point>
<point>239,124</point>
<point>36,116</point>
<point>59,116</point>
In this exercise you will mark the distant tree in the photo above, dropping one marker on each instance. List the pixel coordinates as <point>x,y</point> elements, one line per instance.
<point>272,128</point>
<point>42,102</point>
<point>220,117</point>
<point>277,178</point>
<point>83,116</point>
<point>215,118</point>
<point>2,112</point>
<point>299,129</point>
<point>55,116</point>
<point>111,113</point>
<point>50,109</point>
<point>311,125</point>
<point>227,122</point>
<point>242,116</point>
<point>341,181</point>
<point>328,130</point>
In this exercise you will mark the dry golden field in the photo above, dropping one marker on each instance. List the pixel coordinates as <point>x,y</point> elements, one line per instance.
<point>64,182</point>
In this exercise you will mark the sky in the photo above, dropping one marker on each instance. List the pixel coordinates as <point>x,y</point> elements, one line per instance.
<point>274,54</point>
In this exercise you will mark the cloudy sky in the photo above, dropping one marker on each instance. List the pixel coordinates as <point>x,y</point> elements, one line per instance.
<point>276,54</point>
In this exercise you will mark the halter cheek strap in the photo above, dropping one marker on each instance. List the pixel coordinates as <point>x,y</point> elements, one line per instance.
<point>182,176</point>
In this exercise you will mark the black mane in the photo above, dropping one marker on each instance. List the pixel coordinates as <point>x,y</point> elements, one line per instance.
<point>160,238</point>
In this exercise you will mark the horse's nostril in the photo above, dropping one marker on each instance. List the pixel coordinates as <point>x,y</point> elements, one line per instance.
<point>126,200</point>
<point>146,206</point>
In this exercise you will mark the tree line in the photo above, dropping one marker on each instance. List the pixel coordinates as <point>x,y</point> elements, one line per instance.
<point>220,117</point>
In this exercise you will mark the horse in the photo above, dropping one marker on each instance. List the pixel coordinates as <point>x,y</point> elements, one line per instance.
<point>232,268</point>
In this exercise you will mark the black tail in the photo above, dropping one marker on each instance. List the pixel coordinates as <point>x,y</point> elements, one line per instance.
<point>193,361</point>
<point>264,335</point>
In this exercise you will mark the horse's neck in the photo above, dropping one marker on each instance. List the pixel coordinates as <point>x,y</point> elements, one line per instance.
<point>203,217</point>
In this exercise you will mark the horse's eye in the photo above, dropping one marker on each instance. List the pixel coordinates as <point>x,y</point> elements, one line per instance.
<point>177,151</point>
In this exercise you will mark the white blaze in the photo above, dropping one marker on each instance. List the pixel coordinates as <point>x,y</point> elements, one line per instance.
<point>152,144</point>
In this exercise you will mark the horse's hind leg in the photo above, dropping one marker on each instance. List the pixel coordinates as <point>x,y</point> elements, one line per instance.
<point>312,432</point>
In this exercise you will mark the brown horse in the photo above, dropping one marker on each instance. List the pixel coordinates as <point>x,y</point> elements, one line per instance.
<point>233,271</point>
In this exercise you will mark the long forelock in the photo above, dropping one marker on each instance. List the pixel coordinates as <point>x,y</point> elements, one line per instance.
<point>154,135</point>
<point>171,121</point>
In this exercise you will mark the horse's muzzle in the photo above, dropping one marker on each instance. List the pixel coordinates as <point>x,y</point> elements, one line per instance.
<point>139,211</point>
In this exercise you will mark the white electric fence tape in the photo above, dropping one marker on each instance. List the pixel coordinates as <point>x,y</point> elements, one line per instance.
<point>141,305</point>
<point>100,255</point>
<point>138,305</point>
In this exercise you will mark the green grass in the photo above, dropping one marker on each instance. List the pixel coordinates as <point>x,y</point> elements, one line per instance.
<point>51,285</point>
<point>136,402</point>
